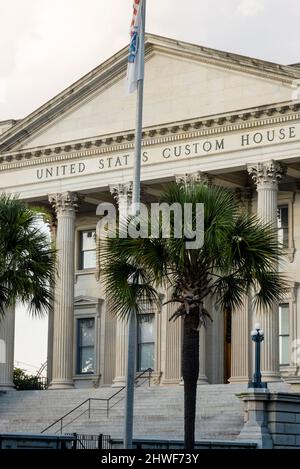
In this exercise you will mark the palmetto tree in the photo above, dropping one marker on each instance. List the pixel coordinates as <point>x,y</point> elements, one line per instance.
<point>239,255</point>
<point>27,260</point>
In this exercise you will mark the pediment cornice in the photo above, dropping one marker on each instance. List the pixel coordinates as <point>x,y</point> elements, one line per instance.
<point>205,127</point>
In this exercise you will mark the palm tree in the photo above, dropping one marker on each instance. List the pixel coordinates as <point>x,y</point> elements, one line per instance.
<point>239,255</point>
<point>27,260</point>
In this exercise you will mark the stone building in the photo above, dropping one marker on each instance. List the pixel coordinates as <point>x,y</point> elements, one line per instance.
<point>219,117</point>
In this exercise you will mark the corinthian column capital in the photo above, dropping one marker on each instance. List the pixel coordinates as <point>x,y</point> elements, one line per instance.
<point>64,201</point>
<point>183,179</point>
<point>266,175</point>
<point>121,191</point>
<point>190,178</point>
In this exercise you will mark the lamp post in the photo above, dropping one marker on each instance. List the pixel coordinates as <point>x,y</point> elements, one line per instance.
<point>257,335</point>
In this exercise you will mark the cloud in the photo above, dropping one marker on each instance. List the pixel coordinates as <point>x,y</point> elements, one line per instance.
<point>17,24</point>
<point>46,45</point>
<point>250,7</point>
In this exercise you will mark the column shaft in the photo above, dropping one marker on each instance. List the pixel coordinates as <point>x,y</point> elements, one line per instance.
<point>121,348</point>
<point>240,343</point>
<point>171,366</point>
<point>7,342</point>
<point>53,230</point>
<point>202,379</point>
<point>65,205</point>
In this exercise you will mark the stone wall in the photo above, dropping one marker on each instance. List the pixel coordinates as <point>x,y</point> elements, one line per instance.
<point>272,420</point>
<point>283,414</point>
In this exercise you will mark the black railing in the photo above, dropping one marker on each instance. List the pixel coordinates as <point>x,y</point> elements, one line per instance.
<point>87,404</point>
<point>91,441</point>
<point>31,383</point>
<point>42,382</point>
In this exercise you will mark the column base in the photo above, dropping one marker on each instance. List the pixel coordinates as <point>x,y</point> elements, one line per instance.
<point>61,384</point>
<point>118,382</point>
<point>7,387</point>
<point>239,380</point>
<point>271,376</point>
<point>171,381</point>
<point>156,377</point>
<point>293,381</point>
<point>202,380</point>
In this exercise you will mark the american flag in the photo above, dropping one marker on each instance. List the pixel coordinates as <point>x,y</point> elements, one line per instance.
<point>136,6</point>
<point>134,59</point>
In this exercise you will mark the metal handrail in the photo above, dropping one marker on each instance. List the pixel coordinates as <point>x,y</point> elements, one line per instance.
<point>41,369</point>
<point>90,399</point>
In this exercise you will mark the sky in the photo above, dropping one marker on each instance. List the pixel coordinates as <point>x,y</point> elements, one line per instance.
<point>48,44</point>
<point>45,45</point>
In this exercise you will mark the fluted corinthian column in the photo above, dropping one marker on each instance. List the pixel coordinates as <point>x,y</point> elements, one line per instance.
<point>65,205</point>
<point>171,343</point>
<point>53,231</point>
<point>122,193</point>
<point>266,177</point>
<point>7,342</point>
<point>240,343</point>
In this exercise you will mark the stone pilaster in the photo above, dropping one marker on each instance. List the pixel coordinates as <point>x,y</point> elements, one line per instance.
<point>7,342</point>
<point>108,345</point>
<point>121,352</point>
<point>172,344</point>
<point>202,379</point>
<point>266,177</point>
<point>65,205</point>
<point>240,343</point>
<point>244,197</point>
<point>122,193</point>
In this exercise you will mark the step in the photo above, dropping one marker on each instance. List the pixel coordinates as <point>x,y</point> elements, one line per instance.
<point>158,411</point>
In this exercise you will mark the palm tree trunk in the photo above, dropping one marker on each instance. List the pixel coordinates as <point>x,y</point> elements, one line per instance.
<point>190,372</point>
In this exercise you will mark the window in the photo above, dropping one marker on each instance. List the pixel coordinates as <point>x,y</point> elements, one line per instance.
<point>88,249</point>
<point>145,358</point>
<point>283,225</point>
<point>284,334</point>
<point>86,346</point>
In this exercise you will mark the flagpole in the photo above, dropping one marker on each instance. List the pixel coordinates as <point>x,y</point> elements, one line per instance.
<point>136,196</point>
<point>136,193</point>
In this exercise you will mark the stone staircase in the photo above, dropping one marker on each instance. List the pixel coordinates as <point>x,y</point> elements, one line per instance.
<point>158,411</point>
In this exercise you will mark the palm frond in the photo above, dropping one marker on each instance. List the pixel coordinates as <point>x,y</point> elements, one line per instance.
<point>239,254</point>
<point>128,289</point>
<point>270,287</point>
<point>27,260</point>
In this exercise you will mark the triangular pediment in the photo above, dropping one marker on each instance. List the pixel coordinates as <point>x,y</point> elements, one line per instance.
<point>85,301</point>
<point>182,81</point>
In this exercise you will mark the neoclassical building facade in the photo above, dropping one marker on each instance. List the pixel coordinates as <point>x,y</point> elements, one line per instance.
<point>212,116</point>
